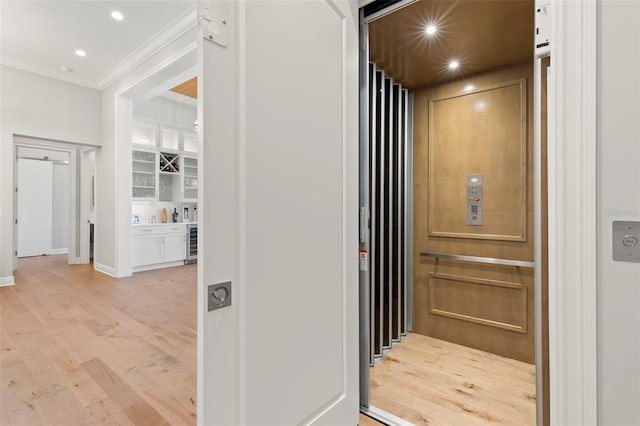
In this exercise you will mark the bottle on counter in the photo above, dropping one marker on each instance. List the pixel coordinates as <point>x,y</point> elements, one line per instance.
<point>194,216</point>
<point>174,215</point>
<point>163,216</point>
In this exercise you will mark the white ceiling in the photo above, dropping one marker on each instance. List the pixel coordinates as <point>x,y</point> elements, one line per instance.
<point>42,36</point>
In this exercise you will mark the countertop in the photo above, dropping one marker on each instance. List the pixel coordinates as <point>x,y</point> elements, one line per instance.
<point>164,224</point>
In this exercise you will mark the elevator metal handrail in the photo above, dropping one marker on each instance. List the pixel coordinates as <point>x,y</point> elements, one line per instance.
<point>478,259</point>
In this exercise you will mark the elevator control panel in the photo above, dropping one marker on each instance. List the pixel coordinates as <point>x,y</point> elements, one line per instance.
<point>626,241</point>
<point>474,200</point>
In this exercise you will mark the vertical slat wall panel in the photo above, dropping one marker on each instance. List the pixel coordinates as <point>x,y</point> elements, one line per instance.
<point>388,194</point>
<point>393,206</point>
<point>381,211</point>
<point>405,212</point>
<point>373,250</point>
<point>399,221</point>
<point>388,186</point>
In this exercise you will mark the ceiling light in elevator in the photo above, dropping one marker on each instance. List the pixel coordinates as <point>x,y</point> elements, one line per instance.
<point>453,65</point>
<point>431,29</point>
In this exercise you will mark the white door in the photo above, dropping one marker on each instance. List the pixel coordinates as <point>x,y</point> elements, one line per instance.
<point>278,213</point>
<point>87,204</point>
<point>35,207</point>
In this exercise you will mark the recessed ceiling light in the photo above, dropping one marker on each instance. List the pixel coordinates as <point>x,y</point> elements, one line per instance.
<point>81,53</point>
<point>469,87</point>
<point>66,69</point>
<point>117,15</point>
<point>431,29</point>
<point>454,65</point>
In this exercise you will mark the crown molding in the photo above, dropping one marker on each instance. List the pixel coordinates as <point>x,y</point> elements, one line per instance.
<point>179,26</point>
<point>66,77</point>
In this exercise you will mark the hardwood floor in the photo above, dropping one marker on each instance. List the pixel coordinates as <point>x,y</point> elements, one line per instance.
<point>427,381</point>
<point>79,347</point>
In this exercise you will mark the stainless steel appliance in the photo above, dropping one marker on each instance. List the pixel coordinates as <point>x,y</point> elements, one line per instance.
<point>192,243</point>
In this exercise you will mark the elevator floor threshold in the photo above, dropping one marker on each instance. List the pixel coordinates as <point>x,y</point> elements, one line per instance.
<point>428,381</point>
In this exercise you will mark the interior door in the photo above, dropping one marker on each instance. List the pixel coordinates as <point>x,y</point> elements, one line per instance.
<point>277,93</point>
<point>35,207</point>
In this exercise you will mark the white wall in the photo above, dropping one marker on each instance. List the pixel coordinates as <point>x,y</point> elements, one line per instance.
<point>618,198</point>
<point>113,215</point>
<point>41,107</point>
<point>60,186</point>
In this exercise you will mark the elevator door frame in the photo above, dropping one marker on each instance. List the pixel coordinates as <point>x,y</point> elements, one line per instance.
<point>572,136</point>
<point>365,208</point>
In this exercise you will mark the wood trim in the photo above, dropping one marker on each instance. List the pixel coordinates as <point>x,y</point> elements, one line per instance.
<point>477,320</point>
<point>522,236</point>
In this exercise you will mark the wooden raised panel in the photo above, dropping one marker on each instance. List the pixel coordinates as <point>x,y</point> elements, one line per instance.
<point>481,132</point>
<point>475,334</point>
<point>494,303</point>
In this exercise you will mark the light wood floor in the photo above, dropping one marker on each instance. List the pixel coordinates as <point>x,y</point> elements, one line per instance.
<point>78,347</point>
<point>427,381</point>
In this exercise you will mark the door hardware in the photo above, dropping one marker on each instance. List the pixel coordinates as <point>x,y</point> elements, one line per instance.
<point>218,296</point>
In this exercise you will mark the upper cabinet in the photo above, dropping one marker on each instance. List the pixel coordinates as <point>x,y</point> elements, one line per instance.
<point>144,134</point>
<point>164,163</point>
<point>170,139</point>
<point>144,166</point>
<point>190,178</point>
<point>190,141</point>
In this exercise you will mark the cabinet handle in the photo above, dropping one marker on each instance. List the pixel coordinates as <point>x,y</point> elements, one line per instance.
<point>147,230</point>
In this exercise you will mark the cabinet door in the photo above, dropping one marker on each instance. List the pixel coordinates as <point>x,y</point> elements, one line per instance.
<point>175,247</point>
<point>147,250</point>
<point>190,178</point>
<point>144,169</point>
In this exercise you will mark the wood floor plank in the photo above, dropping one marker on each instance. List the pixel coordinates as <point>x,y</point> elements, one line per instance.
<point>134,406</point>
<point>428,381</point>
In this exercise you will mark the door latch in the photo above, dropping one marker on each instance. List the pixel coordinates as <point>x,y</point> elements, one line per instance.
<point>218,296</point>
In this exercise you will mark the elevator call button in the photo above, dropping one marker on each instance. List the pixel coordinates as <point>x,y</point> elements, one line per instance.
<point>474,203</point>
<point>626,241</point>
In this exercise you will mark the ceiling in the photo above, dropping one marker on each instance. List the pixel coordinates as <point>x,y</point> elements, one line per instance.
<point>481,35</point>
<point>42,36</point>
<point>188,88</point>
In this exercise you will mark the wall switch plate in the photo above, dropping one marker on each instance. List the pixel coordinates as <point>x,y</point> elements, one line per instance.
<point>626,241</point>
<point>218,296</point>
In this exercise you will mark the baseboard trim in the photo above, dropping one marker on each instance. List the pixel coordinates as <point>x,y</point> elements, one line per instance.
<point>105,269</point>
<point>59,251</point>
<point>157,266</point>
<point>7,281</point>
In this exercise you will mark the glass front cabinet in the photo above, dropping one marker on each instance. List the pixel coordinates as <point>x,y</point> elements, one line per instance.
<point>190,178</point>
<point>144,174</point>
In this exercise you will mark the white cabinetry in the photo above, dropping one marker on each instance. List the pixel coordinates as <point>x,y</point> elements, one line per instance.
<point>189,178</point>
<point>158,246</point>
<point>175,246</point>
<point>144,174</point>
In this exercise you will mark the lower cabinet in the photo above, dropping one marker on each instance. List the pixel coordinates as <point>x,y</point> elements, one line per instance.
<point>158,246</point>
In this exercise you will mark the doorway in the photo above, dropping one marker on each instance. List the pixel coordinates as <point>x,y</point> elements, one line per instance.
<point>451,148</point>
<point>55,182</point>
